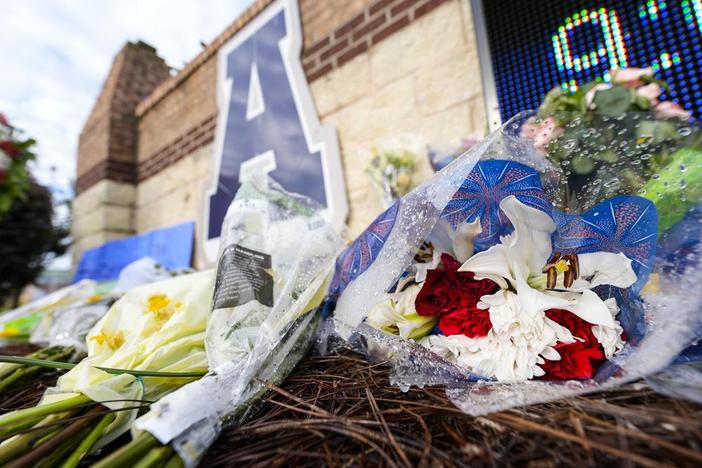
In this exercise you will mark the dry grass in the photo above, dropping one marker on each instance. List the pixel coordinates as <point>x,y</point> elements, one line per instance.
<point>339,410</point>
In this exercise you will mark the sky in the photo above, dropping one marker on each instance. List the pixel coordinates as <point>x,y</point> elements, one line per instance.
<point>57,53</point>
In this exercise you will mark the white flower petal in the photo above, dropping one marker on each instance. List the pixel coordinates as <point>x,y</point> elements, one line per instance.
<point>531,242</point>
<point>587,305</point>
<point>463,240</point>
<point>605,268</point>
<point>491,264</point>
<point>551,354</point>
<point>421,268</point>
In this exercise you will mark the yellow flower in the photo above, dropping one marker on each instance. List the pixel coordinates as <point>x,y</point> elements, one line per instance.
<point>9,332</point>
<point>113,340</point>
<point>94,298</point>
<point>157,302</point>
<point>160,306</point>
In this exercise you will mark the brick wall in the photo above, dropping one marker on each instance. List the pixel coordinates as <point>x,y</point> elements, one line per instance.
<point>390,74</point>
<point>108,142</point>
<point>373,22</point>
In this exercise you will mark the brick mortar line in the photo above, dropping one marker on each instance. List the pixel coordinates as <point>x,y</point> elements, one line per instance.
<point>316,49</point>
<point>170,154</point>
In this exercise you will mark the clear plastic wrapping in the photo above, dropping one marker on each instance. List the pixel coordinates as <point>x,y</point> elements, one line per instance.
<point>276,257</point>
<point>611,208</point>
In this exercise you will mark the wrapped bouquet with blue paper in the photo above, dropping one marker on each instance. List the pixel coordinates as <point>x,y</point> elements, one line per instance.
<point>511,282</point>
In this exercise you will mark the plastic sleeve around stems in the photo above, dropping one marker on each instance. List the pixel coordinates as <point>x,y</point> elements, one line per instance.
<point>272,370</point>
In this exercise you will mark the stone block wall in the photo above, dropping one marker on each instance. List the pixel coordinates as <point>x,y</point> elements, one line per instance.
<point>389,74</point>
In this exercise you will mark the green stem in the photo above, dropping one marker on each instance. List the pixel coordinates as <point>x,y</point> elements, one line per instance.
<point>130,453</point>
<point>20,443</point>
<point>174,462</point>
<point>9,421</point>
<point>110,370</point>
<point>146,373</point>
<point>89,441</point>
<point>22,367</point>
<point>27,361</point>
<point>64,449</point>
<point>48,453</point>
<point>155,458</point>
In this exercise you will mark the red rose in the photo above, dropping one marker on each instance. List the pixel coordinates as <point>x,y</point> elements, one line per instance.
<point>453,296</point>
<point>9,148</point>
<point>579,360</point>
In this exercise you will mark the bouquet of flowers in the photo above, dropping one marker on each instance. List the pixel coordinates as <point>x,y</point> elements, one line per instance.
<point>607,139</point>
<point>149,343</point>
<point>60,321</point>
<point>483,280</point>
<point>391,173</point>
<point>276,258</point>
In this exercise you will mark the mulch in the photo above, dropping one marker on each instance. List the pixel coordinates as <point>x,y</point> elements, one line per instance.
<point>339,410</point>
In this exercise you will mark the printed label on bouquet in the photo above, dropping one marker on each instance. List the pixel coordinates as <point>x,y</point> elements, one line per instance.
<point>242,276</point>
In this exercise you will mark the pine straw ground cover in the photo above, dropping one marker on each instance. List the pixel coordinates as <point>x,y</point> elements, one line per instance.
<point>339,410</point>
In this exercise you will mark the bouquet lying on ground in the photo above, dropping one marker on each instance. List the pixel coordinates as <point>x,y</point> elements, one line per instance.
<point>486,280</point>
<point>60,321</point>
<point>276,258</point>
<point>149,343</point>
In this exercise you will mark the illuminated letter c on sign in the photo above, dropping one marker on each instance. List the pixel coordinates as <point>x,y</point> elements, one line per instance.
<point>267,121</point>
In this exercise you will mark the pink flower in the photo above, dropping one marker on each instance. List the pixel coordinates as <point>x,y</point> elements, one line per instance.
<point>629,77</point>
<point>3,120</point>
<point>590,95</point>
<point>670,109</point>
<point>650,91</point>
<point>547,132</point>
<point>543,132</point>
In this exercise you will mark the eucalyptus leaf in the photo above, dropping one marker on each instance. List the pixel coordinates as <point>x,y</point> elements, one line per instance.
<point>613,102</point>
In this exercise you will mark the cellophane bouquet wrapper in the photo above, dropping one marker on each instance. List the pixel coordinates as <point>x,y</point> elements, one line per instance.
<point>275,262</point>
<point>582,252</point>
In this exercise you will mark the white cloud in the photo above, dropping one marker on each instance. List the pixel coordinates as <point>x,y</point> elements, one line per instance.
<point>56,55</point>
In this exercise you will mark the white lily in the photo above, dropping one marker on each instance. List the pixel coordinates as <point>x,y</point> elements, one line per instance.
<point>397,315</point>
<point>460,243</point>
<point>517,263</point>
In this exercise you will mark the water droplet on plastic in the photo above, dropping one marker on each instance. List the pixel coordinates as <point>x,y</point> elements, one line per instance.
<point>683,168</point>
<point>683,183</point>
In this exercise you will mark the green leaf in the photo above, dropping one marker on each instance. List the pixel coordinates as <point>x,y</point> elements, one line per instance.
<point>37,362</point>
<point>613,102</point>
<point>146,373</point>
<point>582,165</point>
<point>678,187</point>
